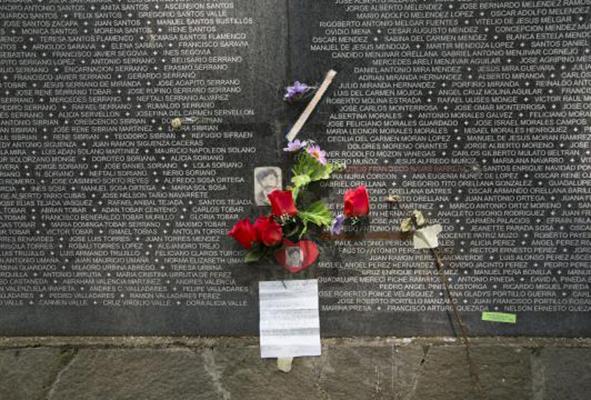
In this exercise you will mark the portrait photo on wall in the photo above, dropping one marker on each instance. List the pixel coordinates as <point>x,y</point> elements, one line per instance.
<point>266,179</point>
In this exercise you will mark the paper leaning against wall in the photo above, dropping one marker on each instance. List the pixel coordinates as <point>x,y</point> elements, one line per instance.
<point>426,238</point>
<point>289,318</point>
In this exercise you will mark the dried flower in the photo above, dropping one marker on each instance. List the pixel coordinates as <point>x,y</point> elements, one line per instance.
<point>296,91</point>
<point>176,123</point>
<point>419,218</point>
<point>295,145</point>
<point>406,225</point>
<point>316,152</point>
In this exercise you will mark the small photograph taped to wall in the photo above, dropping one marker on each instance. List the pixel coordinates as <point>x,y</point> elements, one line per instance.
<point>295,258</point>
<point>266,179</point>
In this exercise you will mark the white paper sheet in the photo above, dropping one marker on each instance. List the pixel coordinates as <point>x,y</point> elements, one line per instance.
<point>426,238</point>
<point>289,318</point>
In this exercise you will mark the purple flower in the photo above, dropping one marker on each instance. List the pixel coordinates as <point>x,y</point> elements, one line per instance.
<point>296,91</point>
<point>317,153</point>
<point>295,145</point>
<point>337,225</point>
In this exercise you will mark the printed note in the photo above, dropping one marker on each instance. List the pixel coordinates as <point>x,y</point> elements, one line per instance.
<point>289,318</point>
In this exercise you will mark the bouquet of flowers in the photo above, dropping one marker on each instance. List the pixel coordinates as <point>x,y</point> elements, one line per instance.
<point>281,233</point>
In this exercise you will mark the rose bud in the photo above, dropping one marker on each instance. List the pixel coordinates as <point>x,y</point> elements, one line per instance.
<point>356,202</point>
<point>244,233</point>
<point>282,203</point>
<point>268,231</point>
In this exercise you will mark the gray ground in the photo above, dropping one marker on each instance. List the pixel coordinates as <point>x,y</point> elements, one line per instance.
<point>230,368</point>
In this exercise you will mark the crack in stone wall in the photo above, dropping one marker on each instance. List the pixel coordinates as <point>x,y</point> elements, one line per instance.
<point>68,356</point>
<point>215,372</point>
<point>538,375</point>
<point>417,375</point>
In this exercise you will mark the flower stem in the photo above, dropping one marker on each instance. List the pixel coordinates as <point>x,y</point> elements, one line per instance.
<point>463,330</point>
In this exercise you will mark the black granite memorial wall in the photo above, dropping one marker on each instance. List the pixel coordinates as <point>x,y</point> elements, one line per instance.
<point>113,222</point>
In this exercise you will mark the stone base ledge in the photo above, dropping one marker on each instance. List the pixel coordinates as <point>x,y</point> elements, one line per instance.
<point>226,368</point>
<point>229,341</point>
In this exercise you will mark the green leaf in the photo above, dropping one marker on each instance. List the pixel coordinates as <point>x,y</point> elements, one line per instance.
<point>302,165</point>
<point>254,255</point>
<point>322,172</point>
<point>307,169</point>
<point>300,180</point>
<point>295,191</point>
<point>308,165</point>
<point>317,213</point>
<point>304,230</point>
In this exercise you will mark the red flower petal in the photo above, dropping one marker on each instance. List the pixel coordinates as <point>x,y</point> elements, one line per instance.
<point>282,203</point>
<point>356,202</point>
<point>268,231</point>
<point>244,233</point>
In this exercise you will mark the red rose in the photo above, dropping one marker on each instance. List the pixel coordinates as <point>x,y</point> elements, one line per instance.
<point>356,202</point>
<point>244,233</point>
<point>282,203</point>
<point>268,231</point>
